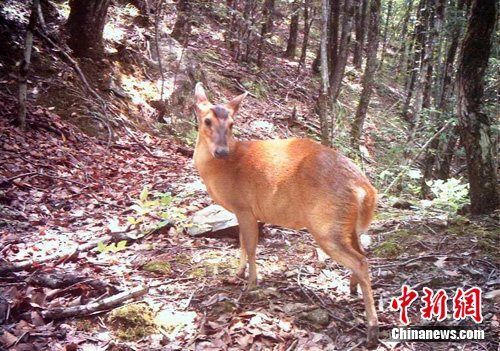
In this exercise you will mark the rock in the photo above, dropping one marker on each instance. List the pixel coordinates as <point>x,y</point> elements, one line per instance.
<point>159,267</point>
<point>318,317</point>
<point>213,219</point>
<point>402,204</point>
<point>493,295</point>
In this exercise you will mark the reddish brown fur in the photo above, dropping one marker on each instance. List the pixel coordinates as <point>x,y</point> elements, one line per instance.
<point>295,183</point>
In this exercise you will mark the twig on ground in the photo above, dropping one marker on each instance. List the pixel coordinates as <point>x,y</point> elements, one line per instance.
<point>22,175</point>
<point>63,256</point>
<point>129,132</point>
<point>104,304</point>
<point>331,313</point>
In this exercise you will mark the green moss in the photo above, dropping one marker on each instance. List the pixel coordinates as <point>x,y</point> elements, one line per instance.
<point>488,242</point>
<point>198,272</point>
<point>132,322</point>
<point>182,259</point>
<point>212,266</point>
<point>388,249</point>
<point>159,267</point>
<point>85,325</point>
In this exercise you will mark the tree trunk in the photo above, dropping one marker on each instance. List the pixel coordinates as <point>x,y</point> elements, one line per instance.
<point>267,25</point>
<point>315,67</point>
<point>291,46</point>
<point>447,147</point>
<point>475,126</point>
<point>404,33</point>
<point>446,153</point>
<point>423,82</point>
<point>25,63</point>
<point>85,24</point>
<point>371,66</point>
<point>307,29</point>
<point>340,50</point>
<point>333,35</point>
<point>360,30</point>
<point>386,29</point>
<point>415,64</point>
<point>323,103</point>
<point>182,26</point>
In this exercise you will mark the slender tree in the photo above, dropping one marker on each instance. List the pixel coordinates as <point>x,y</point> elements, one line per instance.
<point>267,27</point>
<point>182,26</point>
<point>360,30</point>
<point>339,47</point>
<point>404,36</point>
<point>323,103</point>
<point>85,24</point>
<point>475,125</point>
<point>25,63</point>
<point>371,66</point>
<point>307,28</point>
<point>386,30</point>
<point>291,46</point>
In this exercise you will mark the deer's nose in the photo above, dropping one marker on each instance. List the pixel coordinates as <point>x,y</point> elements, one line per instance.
<point>221,152</point>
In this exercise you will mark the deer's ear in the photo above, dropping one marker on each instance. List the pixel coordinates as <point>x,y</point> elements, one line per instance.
<point>199,93</point>
<point>235,103</point>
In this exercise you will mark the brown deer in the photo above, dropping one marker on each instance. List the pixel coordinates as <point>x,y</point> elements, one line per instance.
<point>295,183</point>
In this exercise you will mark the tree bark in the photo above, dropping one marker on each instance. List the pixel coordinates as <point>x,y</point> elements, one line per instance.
<point>386,29</point>
<point>25,63</point>
<point>339,50</point>
<point>267,26</point>
<point>182,26</point>
<point>474,125</point>
<point>371,66</point>
<point>85,24</point>
<point>291,46</point>
<point>404,34</point>
<point>323,103</point>
<point>360,30</point>
<point>307,29</point>
<point>414,66</point>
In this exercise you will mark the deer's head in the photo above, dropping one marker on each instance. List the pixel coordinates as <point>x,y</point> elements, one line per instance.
<point>215,122</point>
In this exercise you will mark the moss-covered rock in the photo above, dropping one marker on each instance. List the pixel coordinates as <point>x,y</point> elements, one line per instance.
<point>159,267</point>
<point>132,322</point>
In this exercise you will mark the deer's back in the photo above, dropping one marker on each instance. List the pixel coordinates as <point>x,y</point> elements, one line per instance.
<point>285,182</point>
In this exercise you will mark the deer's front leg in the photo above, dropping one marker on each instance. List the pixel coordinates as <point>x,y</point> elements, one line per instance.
<point>249,232</point>
<point>243,257</point>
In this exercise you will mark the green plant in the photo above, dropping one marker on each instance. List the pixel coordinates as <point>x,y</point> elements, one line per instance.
<point>449,195</point>
<point>113,247</point>
<point>159,207</point>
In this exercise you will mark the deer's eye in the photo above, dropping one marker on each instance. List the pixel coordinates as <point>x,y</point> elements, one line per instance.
<point>208,122</point>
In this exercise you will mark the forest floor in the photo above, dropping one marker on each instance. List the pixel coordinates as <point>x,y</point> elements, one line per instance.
<point>87,216</point>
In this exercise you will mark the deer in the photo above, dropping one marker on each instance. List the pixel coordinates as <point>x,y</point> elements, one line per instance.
<point>294,183</point>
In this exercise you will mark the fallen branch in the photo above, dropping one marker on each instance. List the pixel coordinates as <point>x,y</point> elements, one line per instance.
<point>330,312</point>
<point>33,264</point>
<point>93,307</point>
<point>22,175</point>
<point>144,147</point>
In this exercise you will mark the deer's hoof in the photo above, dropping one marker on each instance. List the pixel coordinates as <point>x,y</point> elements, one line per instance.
<point>372,336</point>
<point>241,273</point>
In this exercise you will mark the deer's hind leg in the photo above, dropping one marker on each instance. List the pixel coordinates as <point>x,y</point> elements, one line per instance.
<point>337,243</point>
